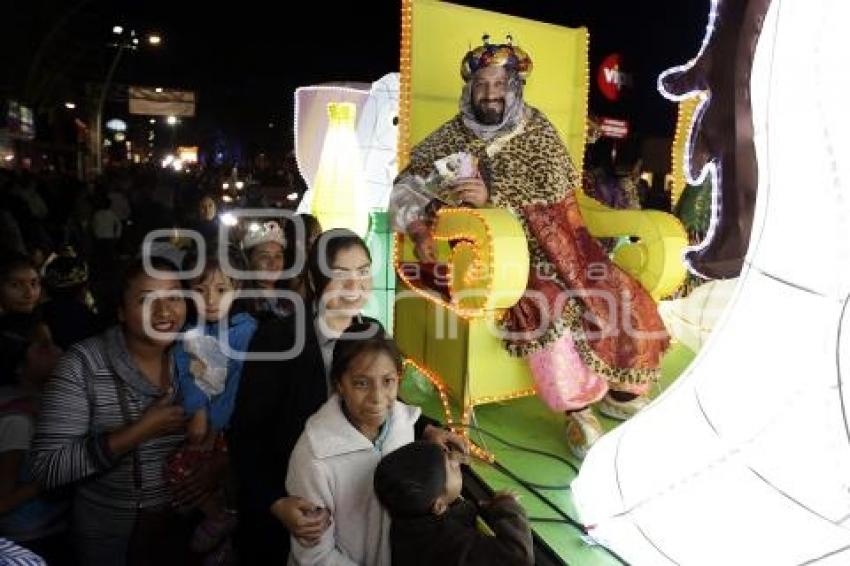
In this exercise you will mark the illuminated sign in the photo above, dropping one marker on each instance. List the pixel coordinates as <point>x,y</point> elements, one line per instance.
<point>611,78</point>
<point>614,128</point>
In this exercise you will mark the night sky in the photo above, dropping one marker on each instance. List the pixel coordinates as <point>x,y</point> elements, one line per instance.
<point>245,60</point>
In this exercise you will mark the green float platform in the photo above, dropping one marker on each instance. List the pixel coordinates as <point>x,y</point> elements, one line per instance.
<point>528,423</point>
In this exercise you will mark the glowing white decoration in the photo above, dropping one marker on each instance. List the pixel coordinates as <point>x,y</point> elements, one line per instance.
<point>746,458</point>
<point>311,123</point>
<point>710,168</point>
<point>339,187</point>
<point>377,134</point>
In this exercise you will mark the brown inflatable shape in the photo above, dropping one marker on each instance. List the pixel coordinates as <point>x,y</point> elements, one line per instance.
<point>723,133</point>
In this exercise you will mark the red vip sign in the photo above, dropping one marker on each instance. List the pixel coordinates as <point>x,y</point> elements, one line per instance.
<point>611,79</point>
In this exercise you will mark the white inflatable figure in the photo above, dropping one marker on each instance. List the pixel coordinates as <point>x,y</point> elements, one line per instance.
<point>377,133</point>
<point>746,458</point>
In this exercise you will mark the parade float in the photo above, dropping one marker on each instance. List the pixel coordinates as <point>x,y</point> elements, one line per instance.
<point>742,457</point>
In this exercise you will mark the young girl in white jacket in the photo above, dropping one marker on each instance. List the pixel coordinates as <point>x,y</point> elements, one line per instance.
<point>335,458</point>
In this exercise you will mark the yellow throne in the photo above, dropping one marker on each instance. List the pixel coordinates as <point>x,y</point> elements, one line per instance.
<point>451,340</point>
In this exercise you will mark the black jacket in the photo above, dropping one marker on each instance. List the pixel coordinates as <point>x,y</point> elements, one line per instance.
<point>274,400</point>
<point>452,539</point>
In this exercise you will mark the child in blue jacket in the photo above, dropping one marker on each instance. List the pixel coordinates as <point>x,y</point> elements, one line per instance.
<point>208,363</point>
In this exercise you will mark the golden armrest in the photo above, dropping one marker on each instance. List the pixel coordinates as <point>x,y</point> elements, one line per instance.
<point>656,260</point>
<point>488,261</point>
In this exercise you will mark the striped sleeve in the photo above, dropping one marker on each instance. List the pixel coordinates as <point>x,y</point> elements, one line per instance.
<point>13,555</point>
<point>64,449</point>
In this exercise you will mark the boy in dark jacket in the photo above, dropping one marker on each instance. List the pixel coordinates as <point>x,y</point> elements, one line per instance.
<point>420,484</point>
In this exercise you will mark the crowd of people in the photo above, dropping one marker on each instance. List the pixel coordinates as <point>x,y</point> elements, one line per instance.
<point>147,414</point>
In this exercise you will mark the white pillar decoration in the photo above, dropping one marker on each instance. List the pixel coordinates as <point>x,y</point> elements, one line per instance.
<point>339,188</point>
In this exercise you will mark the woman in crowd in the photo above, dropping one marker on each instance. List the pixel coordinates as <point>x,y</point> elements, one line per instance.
<point>264,245</point>
<point>109,421</point>
<point>28,516</point>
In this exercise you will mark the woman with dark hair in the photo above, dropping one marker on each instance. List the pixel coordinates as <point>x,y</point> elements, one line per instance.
<point>21,324</point>
<point>277,396</point>
<point>28,516</point>
<point>110,419</point>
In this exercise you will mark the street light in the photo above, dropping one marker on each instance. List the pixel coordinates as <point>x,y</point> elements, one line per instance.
<point>70,105</point>
<point>173,121</point>
<point>123,42</point>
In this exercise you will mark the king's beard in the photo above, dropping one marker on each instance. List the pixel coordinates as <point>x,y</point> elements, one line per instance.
<point>489,115</point>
